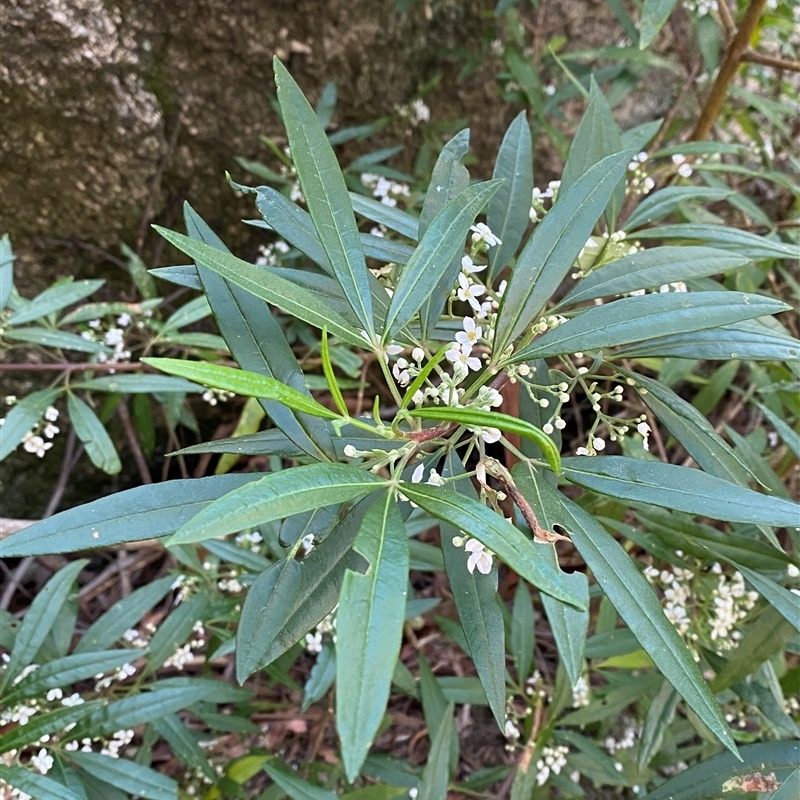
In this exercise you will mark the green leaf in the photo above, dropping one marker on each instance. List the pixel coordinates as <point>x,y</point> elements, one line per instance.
<point>663,202</point>
<point>750,340</point>
<point>369,630</point>
<point>93,434</point>
<point>654,14</point>
<point>554,246</point>
<point>597,136</point>
<point>32,783</point>
<point>242,382</point>
<point>54,299</point>
<point>303,594</point>
<point>144,282</point>
<point>436,774</point>
<point>386,250</point>
<point>40,618</point>
<point>47,723</point>
<point>326,195</point>
<point>659,718</point>
<point>49,338</point>
<point>782,600</point>
<point>507,215</point>
<point>294,786</point>
<point>679,488</point>
<point>432,261</point>
<point>392,218</point>
<point>321,676</point>
<point>174,631</point>
<point>763,640</point>
<point>19,421</point>
<point>635,319</point>
<point>652,268</point>
<point>183,743</point>
<point>494,419</point>
<point>258,344</point>
<point>477,602</point>
<point>295,300</point>
<point>122,616</point>
<point>636,603</point>
<point>138,384</point>
<point>7,258</point>
<point>141,513</point>
<point>523,631</point>
<point>278,495</point>
<point>691,429</point>
<point>127,775</point>
<point>435,707</point>
<point>65,671</point>
<point>704,781</point>
<point>790,437</point>
<point>745,243</point>
<point>496,533</point>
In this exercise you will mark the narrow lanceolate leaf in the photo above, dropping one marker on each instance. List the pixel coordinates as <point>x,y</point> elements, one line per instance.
<point>93,434</point>
<point>436,775</point>
<point>663,202</point>
<point>278,495</point>
<point>654,14</point>
<point>6,270</point>
<point>47,723</point>
<point>435,255</point>
<point>691,429</point>
<point>394,219</point>
<point>242,382</point>
<point>705,781</point>
<point>782,600</point>
<point>636,319</point>
<point>746,340</point>
<point>659,718</point>
<point>294,786</point>
<point>258,344</point>
<point>636,603</point>
<point>649,269</point>
<point>554,246</point>
<point>326,195</point>
<point>743,242</point>
<point>54,299</point>
<point>22,417</point>
<point>679,488</point>
<point>496,533</point>
<point>127,775</point>
<point>290,598</point>
<point>477,603</point>
<point>263,283</point>
<point>508,211</point>
<point>145,512</point>
<point>494,419</point>
<point>36,785</point>
<point>39,619</point>
<point>369,628</point>
<point>36,334</point>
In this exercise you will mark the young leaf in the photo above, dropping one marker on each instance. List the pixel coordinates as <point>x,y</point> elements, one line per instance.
<point>433,259</point>
<point>651,268</point>
<point>240,381</point>
<point>262,283</point>
<point>369,630</point>
<point>39,619</point>
<point>477,603</point>
<point>496,533</point>
<point>330,377</point>
<point>636,319</point>
<point>289,599</point>
<point>554,245</point>
<point>654,14</point>
<point>326,195</point>
<point>127,775</point>
<point>22,417</point>
<point>494,419</point>
<point>93,434</point>
<point>258,344</point>
<point>54,299</point>
<point>508,211</point>
<point>636,603</point>
<point>142,513</point>
<point>679,488</point>
<point>278,495</point>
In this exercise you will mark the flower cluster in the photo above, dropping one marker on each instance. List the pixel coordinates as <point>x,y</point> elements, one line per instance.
<point>324,629</point>
<point>35,440</point>
<point>639,182</point>
<point>630,735</point>
<point>214,396</point>
<point>385,190</point>
<point>538,197</point>
<point>269,254</point>
<point>603,249</point>
<point>113,337</point>
<point>580,693</point>
<point>554,759</point>
<point>701,8</point>
<point>417,111</point>
<point>184,654</point>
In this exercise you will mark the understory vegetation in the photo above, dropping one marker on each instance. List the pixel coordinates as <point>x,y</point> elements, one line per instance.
<point>464,488</point>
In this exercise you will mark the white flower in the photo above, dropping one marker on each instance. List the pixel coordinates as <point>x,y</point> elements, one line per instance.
<point>124,319</point>
<point>479,557</point>
<point>113,337</point>
<point>489,435</point>
<point>435,479</point>
<point>307,543</point>
<point>469,267</point>
<point>93,323</point>
<point>482,232</point>
<point>350,451</point>
<point>598,443</point>
<point>510,730</point>
<point>792,571</point>
<point>314,642</point>
<point>50,430</point>
<point>461,355</point>
<point>471,333</point>
<point>51,415</point>
<point>421,111</point>
<point>470,292</point>
<point>547,428</point>
<point>54,694</point>
<point>73,700</point>
<point>43,761</point>
<point>644,429</point>
<point>35,444</point>
<point>418,473</point>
